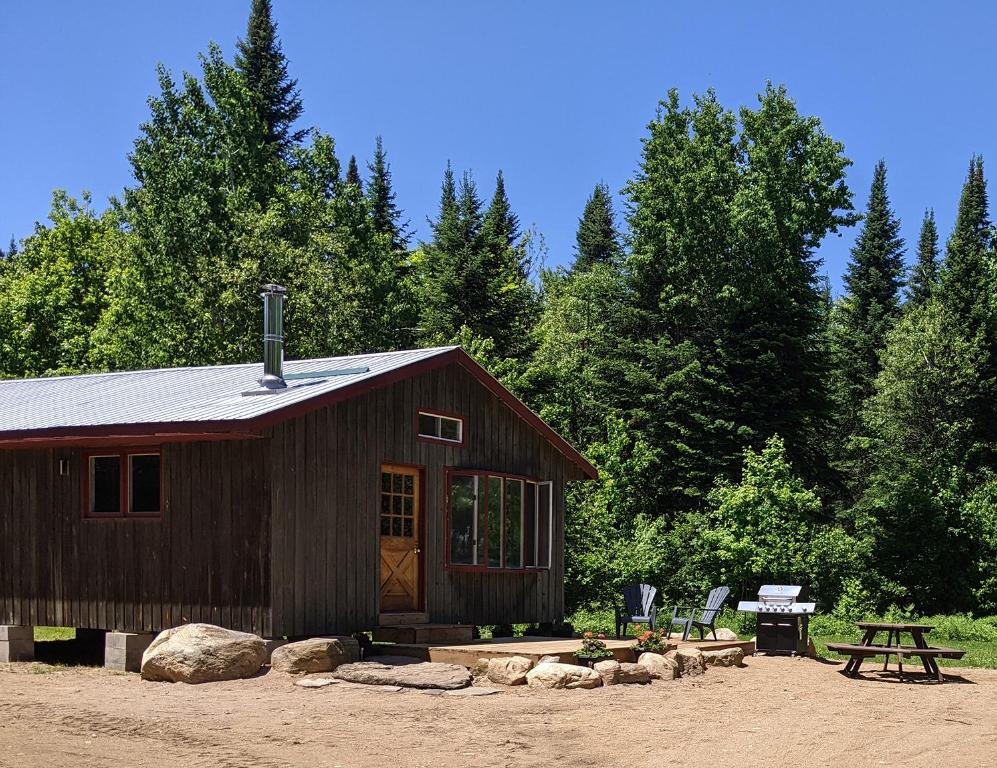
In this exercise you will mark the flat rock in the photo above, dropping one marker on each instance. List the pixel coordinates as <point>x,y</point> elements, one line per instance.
<point>202,653</point>
<point>509,671</point>
<point>549,660</point>
<point>421,674</point>
<point>658,666</point>
<point>726,657</point>
<point>553,675</point>
<point>473,691</point>
<point>723,633</point>
<point>315,682</point>
<point>317,654</point>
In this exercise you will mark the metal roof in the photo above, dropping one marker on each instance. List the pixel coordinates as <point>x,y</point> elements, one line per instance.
<point>206,394</point>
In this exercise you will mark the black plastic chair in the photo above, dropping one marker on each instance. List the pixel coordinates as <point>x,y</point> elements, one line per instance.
<point>638,607</point>
<point>685,615</point>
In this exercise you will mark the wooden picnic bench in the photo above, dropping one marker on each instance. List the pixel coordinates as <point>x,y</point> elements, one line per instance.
<point>927,654</point>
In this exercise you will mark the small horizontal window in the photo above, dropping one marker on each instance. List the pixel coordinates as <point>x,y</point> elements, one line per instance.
<point>124,483</point>
<point>436,426</point>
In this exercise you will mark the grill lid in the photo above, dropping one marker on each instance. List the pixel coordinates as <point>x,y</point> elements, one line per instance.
<point>783,593</point>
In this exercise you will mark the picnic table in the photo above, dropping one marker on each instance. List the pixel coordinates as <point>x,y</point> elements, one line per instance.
<point>868,647</point>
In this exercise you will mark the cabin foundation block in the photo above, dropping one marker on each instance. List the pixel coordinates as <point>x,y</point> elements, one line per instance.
<point>123,650</point>
<point>17,643</point>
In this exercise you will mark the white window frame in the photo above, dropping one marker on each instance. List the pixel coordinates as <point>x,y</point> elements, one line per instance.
<point>438,421</point>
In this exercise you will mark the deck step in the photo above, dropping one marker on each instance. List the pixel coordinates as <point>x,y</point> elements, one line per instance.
<point>423,633</point>
<point>394,619</point>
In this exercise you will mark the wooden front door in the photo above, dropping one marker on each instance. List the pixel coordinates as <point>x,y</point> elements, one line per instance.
<point>401,521</point>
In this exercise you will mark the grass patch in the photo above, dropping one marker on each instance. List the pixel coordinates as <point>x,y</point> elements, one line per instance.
<point>44,634</point>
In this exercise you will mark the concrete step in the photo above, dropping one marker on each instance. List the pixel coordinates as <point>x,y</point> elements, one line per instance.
<point>423,633</point>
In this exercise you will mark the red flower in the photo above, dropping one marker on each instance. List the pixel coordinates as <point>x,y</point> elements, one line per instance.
<point>587,634</point>
<point>602,635</point>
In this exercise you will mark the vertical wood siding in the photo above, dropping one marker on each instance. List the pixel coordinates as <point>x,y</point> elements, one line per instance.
<point>325,498</point>
<point>205,559</point>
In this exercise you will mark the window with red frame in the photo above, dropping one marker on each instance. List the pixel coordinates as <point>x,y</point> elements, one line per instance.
<point>123,484</point>
<point>499,521</point>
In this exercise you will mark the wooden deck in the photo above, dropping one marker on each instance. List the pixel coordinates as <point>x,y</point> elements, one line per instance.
<point>467,654</point>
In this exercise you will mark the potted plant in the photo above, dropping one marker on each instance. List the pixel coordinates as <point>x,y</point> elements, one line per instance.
<point>593,649</point>
<point>651,641</point>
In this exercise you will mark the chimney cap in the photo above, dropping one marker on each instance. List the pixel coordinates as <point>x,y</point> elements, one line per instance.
<point>273,288</point>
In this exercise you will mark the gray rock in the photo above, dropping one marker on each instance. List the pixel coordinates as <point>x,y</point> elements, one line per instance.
<point>553,675</point>
<point>727,657</point>
<point>509,671</point>
<point>315,682</point>
<point>202,653</point>
<point>421,674</point>
<point>317,654</point>
<point>724,634</point>
<point>549,660</point>
<point>658,666</point>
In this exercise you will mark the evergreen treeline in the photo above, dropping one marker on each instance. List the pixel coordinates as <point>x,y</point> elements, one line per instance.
<point>745,425</point>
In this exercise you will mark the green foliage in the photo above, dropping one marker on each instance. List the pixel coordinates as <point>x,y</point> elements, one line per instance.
<point>766,528</point>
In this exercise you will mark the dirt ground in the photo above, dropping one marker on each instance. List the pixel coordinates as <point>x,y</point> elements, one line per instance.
<point>776,711</point>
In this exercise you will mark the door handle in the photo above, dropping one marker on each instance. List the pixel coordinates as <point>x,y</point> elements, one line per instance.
<point>416,550</point>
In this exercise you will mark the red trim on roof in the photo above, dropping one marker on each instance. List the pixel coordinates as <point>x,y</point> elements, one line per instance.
<point>239,429</point>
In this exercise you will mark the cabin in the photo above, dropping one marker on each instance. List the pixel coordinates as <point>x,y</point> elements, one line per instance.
<point>312,497</point>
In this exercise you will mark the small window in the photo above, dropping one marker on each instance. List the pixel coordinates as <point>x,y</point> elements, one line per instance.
<point>438,427</point>
<point>126,483</point>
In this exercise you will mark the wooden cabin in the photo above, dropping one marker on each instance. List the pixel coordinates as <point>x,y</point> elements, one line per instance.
<point>328,497</point>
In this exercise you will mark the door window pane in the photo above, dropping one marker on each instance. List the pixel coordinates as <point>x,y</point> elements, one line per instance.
<point>494,522</point>
<point>105,485</point>
<point>143,484</point>
<point>462,509</point>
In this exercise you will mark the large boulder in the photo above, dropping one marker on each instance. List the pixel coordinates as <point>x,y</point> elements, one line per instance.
<point>690,661</point>
<point>727,657</point>
<point>423,674</point>
<point>556,675</point>
<point>658,666</point>
<point>722,633</point>
<point>202,653</point>
<point>317,654</point>
<point>633,673</point>
<point>509,671</point>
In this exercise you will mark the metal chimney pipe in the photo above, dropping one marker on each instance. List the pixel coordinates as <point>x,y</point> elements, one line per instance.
<point>273,336</point>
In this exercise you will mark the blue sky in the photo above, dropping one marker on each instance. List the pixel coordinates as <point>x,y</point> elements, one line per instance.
<point>555,94</point>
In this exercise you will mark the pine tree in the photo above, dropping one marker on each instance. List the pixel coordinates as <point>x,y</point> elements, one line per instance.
<point>261,60</point>
<point>353,173</point>
<point>924,274</point>
<point>385,213</point>
<point>967,273</point>
<point>870,307</point>
<point>501,225</point>
<point>597,241</point>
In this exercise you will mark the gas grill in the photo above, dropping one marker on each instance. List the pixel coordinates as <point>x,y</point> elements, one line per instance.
<point>783,622</point>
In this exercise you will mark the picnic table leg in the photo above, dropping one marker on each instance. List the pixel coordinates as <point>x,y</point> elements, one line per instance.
<point>886,657</point>
<point>929,662</point>
<point>852,667</point>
